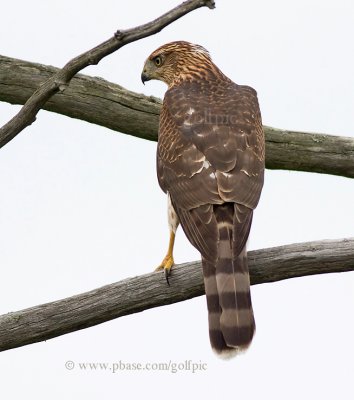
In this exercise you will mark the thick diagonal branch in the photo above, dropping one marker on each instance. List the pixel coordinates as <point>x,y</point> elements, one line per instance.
<point>135,114</point>
<point>59,81</point>
<point>143,292</point>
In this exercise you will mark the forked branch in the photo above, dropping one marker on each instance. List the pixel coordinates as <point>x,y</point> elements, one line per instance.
<point>138,115</point>
<point>60,80</point>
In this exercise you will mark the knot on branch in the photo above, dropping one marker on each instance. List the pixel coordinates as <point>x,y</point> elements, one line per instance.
<point>119,34</point>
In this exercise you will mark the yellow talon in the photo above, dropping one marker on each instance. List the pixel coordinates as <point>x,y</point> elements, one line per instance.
<point>168,261</point>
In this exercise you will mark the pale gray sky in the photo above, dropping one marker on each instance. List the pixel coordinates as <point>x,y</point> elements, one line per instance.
<point>81,206</point>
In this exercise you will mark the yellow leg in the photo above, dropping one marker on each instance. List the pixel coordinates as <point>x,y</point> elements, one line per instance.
<point>168,261</point>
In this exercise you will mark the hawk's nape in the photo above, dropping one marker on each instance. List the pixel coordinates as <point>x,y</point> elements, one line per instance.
<point>210,162</point>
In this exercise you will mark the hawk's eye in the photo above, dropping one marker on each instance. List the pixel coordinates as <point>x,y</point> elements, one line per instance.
<point>158,61</point>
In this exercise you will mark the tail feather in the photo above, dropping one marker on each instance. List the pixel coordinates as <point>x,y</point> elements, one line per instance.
<point>236,320</point>
<point>220,233</point>
<point>214,310</point>
<point>227,286</point>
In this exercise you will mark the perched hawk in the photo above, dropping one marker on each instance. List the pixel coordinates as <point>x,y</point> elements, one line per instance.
<point>210,162</point>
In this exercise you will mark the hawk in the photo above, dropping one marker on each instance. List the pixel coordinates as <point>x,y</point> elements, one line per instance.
<point>210,162</point>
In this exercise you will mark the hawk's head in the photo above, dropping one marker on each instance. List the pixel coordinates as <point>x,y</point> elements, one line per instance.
<point>176,61</point>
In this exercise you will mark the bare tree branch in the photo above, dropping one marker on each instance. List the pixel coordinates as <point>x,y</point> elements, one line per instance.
<point>143,292</point>
<point>309,152</point>
<point>59,81</point>
<point>135,114</point>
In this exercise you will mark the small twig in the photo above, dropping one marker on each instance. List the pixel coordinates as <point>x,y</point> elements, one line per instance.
<point>61,79</point>
<point>143,292</point>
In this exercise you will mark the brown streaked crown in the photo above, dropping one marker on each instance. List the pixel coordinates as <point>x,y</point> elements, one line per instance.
<point>178,61</point>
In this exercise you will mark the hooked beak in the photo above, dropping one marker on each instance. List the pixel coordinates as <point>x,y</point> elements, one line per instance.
<point>144,77</point>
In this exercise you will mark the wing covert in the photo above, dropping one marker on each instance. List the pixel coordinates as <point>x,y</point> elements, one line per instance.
<point>211,145</point>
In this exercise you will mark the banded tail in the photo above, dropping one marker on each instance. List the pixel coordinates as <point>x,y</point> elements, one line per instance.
<point>227,283</point>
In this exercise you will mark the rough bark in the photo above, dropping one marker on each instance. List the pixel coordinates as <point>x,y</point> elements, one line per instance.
<point>313,152</point>
<point>143,292</point>
<point>60,80</point>
<point>107,104</point>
